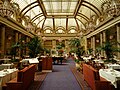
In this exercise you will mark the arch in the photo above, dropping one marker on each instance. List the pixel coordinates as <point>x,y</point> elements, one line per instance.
<point>27,6</point>
<point>91,9</point>
<point>29,10</point>
<point>93,6</point>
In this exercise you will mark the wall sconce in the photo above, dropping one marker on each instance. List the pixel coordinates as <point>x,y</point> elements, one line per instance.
<point>97,41</point>
<point>111,37</point>
<point>89,42</point>
<point>9,37</point>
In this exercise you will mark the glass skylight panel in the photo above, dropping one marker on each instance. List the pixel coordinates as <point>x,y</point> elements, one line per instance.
<point>49,22</point>
<point>71,22</point>
<point>60,7</point>
<point>56,6</point>
<point>64,6</point>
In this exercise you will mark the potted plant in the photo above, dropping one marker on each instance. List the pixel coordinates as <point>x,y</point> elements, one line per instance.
<point>76,47</point>
<point>34,47</point>
<point>110,48</point>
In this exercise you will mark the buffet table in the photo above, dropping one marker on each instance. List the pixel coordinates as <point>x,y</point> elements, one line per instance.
<point>111,75</point>
<point>7,75</point>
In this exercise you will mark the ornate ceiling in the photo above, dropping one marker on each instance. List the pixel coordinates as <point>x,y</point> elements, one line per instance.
<point>61,16</point>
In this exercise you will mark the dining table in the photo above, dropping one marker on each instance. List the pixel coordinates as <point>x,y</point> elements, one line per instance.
<point>6,75</point>
<point>113,66</point>
<point>111,75</point>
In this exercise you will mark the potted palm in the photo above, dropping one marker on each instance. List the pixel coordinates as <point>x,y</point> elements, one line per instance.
<point>34,47</point>
<point>76,47</point>
<point>110,48</point>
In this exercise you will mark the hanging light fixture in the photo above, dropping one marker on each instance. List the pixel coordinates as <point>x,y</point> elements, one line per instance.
<point>114,9</point>
<point>6,9</point>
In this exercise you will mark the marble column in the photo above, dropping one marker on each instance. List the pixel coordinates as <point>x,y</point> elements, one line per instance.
<point>93,45</point>
<point>118,39</point>
<point>19,36</point>
<point>3,41</point>
<point>101,43</point>
<point>85,44</point>
<point>104,40</point>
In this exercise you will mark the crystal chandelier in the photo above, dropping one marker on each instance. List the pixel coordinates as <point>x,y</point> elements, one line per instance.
<point>6,9</point>
<point>114,9</point>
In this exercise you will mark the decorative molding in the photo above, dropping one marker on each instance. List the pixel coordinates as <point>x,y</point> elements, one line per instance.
<point>14,25</point>
<point>107,24</point>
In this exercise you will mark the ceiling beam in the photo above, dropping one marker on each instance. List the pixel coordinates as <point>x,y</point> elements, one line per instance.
<point>40,21</point>
<point>67,24</point>
<point>43,23</point>
<point>82,15</point>
<point>54,24</point>
<point>36,16</point>
<point>42,7</point>
<point>60,16</point>
<point>83,18</point>
<point>94,7</point>
<point>77,25</point>
<point>81,22</point>
<point>27,7</point>
<point>91,9</point>
<point>78,7</point>
<point>29,10</point>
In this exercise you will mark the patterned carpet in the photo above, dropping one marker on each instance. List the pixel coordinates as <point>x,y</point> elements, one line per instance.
<point>39,78</point>
<point>63,77</point>
<point>60,79</point>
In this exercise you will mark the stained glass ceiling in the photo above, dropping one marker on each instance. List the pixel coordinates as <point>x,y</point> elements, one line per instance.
<point>66,13</point>
<point>60,7</point>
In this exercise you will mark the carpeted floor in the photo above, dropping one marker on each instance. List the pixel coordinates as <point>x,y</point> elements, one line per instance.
<point>61,78</point>
<point>39,78</point>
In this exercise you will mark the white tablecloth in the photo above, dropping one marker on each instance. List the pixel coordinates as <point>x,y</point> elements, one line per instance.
<point>87,58</point>
<point>30,60</point>
<point>111,75</point>
<point>113,66</point>
<point>98,61</point>
<point>7,66</point>
<point>7,75</point>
